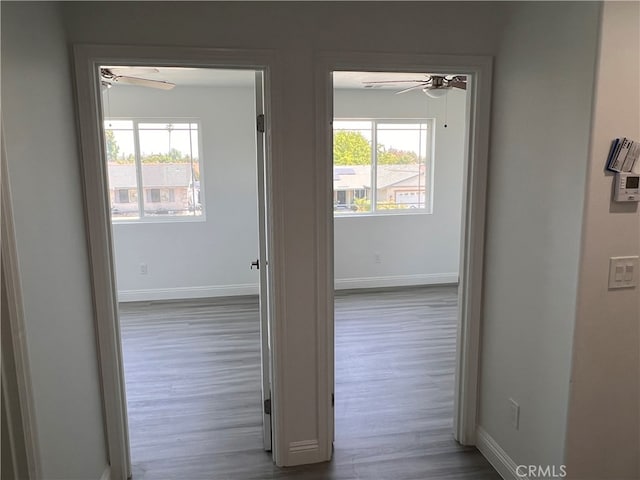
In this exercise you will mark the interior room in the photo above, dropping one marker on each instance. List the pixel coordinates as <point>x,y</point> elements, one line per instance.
<point>182,173</point>
<point>554,342</point>
<point>396,267</point>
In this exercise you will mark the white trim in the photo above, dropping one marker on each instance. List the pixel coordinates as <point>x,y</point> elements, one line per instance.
<point>207,291</point>
<point>304,452</point>
<point>496,456</point>
<point>87,59</point>
<point>479,70</point>
<point>15,306</point>
<point>397,281</point>
<point>106,475</point>
<point>303,446</point>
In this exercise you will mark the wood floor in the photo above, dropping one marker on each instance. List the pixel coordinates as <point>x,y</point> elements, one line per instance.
<point>193,388</point>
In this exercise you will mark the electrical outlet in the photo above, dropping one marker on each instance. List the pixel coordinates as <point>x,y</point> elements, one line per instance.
<point>514,413</point>
<point>377,258</point>
<point>144,269</point>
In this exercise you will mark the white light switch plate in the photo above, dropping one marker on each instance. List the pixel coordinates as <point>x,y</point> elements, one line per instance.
<point>623,272</point>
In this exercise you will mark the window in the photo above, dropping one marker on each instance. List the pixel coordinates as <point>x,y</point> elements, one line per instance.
<point>394,177</point>
<point>154,169</point>
<point>123,196</point>
<point>153,195</point>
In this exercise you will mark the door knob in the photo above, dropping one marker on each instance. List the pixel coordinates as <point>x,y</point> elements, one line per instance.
<point>255,264</point>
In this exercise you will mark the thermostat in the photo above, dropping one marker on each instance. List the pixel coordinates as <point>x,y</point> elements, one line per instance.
<point>627,187</point>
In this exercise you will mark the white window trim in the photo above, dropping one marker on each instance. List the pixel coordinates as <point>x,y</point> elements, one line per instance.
<point>428,209</point>
<point>142,219</point>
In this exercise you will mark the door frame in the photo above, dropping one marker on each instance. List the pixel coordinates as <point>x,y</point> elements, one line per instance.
<point>17,387</point>
<point>473,225</point>
<point>87,59</point>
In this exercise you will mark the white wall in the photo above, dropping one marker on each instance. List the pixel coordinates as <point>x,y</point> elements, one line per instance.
<point>296,31</point>
<point>211,258</point>
<point>413,249</point>
<point>539,152</point>
<point>39,126</point>
<point>199,258</point>
<point>533,220</point>
<point>603,439</point>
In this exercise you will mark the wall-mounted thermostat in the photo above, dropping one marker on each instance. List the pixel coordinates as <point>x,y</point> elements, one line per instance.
<point>627,188</point>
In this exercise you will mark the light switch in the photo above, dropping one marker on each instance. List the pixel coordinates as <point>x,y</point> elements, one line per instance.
<point>623,272</point>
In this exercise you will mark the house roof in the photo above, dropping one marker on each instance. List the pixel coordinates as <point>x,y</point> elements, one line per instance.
<point>153,175</point>
<point>359,176</point>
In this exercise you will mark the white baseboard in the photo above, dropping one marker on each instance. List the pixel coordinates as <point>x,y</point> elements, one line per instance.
<point>187,292</point>
<point>106,475</point>
<point>303,452</point>
<point>396,280</point>
<point>497,457</point>
<point>208,291</point>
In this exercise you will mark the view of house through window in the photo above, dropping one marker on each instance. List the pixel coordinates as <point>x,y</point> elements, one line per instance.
<point>392,177</point>
<point>154,168</point>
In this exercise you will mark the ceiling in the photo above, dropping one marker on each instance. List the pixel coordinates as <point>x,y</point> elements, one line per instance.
<point>210,77</point>
<point>197,77</point>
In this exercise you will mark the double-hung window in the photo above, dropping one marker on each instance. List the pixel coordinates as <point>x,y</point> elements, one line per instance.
<point>393,177</point>
<point>154,169</point>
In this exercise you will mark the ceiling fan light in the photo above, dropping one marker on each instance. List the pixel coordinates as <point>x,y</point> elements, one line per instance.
<point>435,92</point>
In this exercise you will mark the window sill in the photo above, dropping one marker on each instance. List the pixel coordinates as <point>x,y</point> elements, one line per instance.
<point>383,214</point>
<point>154,220</point>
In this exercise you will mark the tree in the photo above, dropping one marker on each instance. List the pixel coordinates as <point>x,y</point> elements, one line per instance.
<point>173,156</point>
<point>113,150</point>
<point>393,156</point>
<point>351,148</point>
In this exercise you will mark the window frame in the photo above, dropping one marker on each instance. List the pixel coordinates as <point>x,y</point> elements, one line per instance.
<point>142,218</point>
<point>429,163</point>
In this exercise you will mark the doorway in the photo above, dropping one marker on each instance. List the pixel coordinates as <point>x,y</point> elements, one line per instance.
<point>166,172</point>
<point>187,223</point>
<point>181,148</point>
<point>469,276</point>
<point>398,159</point>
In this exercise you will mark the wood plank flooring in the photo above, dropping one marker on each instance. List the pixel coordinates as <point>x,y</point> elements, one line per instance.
<point>193,389</point>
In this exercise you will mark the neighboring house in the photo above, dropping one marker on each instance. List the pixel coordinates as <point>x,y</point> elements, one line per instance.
<point>401,185</point>
<point>167,188</point>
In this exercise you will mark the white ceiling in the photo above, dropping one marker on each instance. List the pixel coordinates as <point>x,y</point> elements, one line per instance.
<point>194,77</point>
<point>210,77</point>
<point>359,79</point>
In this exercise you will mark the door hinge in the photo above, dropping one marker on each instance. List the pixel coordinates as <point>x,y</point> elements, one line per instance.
<point>333,399</point>
<point>267,406</point>
<point>260,123</point>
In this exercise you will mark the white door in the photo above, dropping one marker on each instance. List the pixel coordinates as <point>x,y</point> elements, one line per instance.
<point>263,265</point>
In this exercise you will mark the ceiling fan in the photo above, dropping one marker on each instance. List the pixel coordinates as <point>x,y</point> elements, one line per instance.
<point>110,76</point>
<point>434,86</point>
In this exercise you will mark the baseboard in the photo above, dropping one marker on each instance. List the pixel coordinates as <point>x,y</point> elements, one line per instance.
<point>187,292</point>
<point>208,291</point>
<point>303,452</point>
<point>497,457</point>
<point>106,475</point>
<point>396,281</point>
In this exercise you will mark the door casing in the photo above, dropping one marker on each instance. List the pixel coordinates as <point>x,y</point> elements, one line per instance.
<point>87,60</point>
<point>479,69</point>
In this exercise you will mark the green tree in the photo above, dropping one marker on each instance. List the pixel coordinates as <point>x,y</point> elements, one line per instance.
<point>393,156</point>
<point>351,148</point>
<point>173,156</point>
<point>113,149</point>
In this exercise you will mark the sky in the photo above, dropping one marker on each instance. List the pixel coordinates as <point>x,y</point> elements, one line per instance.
<point>155,137</point>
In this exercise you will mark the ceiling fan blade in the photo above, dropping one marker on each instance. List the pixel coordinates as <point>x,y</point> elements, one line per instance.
<point>458,84</point>
<point>127,71</point>
<point>411,88</point>
<point>143,82</point>
<point>399,81</point>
